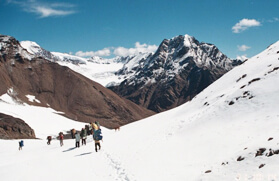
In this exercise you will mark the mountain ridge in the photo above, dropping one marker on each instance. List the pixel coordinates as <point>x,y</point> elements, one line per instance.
<point>179,69</point>
<point>62,89</point>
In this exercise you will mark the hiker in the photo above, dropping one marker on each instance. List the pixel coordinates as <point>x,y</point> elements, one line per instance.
<point>61,137</point>
<point>83,135</point>
<point>87,129</point>
<point>97,136</point>
<point>20,145</point>
<point>77,139</point>
<point>49,140</point>
<point>271,152</point>
<point>73,132</point>
<point>90,129</point>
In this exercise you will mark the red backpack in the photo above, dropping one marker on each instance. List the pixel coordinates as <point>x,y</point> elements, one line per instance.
<point>61,136</point>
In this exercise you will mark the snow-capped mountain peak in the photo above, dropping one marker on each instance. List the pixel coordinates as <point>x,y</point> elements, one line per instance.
<point>188,40</point>
<point>179,69</point>
<point>173,55</point>
<point>11,47</point>
<point>181,49</point>
<point>31,47</point>
<point>65,57</point>
<point>38,51</point>
<point>96,59</point>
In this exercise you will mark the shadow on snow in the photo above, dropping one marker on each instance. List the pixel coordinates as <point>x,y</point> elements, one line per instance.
<point>70,149</point>
<point>84,154</point>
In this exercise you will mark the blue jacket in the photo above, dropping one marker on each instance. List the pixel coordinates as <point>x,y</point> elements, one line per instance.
<point>97,135</point>
<point>21,143</point>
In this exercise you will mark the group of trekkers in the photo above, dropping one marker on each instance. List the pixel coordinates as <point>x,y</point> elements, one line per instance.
<point>77,136</point>
<point>91,129</point>
<point>60,137</point>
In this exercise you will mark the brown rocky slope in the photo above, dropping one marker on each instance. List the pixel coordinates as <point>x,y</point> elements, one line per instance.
<point>14,128</point>
<point>62,89</point>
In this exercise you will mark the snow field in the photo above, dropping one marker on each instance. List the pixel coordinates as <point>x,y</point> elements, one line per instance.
<point>232,118</point>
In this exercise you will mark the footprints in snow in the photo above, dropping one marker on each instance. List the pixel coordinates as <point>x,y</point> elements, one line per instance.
<point>120,171</point>
<point>172,128</point>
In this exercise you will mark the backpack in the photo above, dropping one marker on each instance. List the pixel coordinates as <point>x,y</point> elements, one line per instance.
<point>97,135</point>
<point>95,126</point>
<point>60,135</point>
<point>82,133</point>
<point>21,143</point>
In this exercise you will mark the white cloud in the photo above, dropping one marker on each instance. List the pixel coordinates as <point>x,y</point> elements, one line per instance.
<point>101,53</point>
<point>273,20</point>
<point>139,48</point>
<point>244,24</point>
<point>48,11</point>
<point>243,48</point>
<point>45,9</point>
<point>119,51</point>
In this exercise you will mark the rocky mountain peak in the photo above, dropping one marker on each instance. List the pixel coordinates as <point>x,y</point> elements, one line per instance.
<point>179,69</point>
<point>37,50</point>
<point>171,57</point>
<point>181,49</point>
<point>10,47</point>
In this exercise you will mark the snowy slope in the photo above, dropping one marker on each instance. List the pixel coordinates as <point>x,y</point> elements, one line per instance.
<point>64,57</point>
<point>37,50</point>
<point>95,68</point>
<point>101,73</point>
<point>235,116</point>
<point>31,47</point>
<point>103,70</point>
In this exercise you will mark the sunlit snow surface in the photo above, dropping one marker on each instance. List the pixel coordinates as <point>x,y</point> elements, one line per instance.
<point>101,73</point>
<point>235,116</point>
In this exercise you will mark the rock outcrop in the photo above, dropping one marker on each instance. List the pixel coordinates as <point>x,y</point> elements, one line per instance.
<point>14,128</point>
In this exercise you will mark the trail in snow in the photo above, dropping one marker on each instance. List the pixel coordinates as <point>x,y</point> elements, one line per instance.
<point>39,161</point>
<point>116,164</point>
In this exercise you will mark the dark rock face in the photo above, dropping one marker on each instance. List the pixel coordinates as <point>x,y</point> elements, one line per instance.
<point>62,89</point>
<point>14,128</point>
<point>179,70</point>
<point>161,96</point>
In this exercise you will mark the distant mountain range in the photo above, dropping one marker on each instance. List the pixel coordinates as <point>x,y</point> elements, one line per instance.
<point>180,69</point>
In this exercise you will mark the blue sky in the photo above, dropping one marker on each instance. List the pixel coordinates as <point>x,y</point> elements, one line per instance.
<point>121,27</point>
